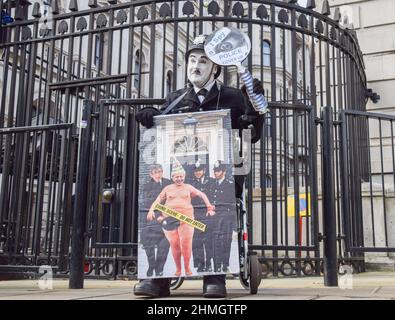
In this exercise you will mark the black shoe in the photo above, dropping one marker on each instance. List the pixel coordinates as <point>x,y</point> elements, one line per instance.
<point>209,269</point>
<point>225,269</point>
<point>150,272</point>
<point>214,291</point>
<point>154,288</point>
<point>159,273</point>
<point>218,270</point>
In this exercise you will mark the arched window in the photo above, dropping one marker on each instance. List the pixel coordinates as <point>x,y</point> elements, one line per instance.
<point>266,53</point>
<point>137,69</point>
<point>268,181</point>
<point>99,47</point>
<point>169,81</point>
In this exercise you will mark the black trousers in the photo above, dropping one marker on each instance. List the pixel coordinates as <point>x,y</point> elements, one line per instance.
<point>202,244</point>
<point>156,247</point>
<point>222,239</point>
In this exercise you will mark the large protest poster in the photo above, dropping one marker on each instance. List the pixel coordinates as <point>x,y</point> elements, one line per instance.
<point>187,205</point>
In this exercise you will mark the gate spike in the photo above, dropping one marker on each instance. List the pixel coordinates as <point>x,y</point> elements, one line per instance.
<point>326,10</point>
<point>19,13</point>
<point>55,7</point>
<point>310,4</point>
<point>73,5</point>
<point>92,3</point>
<point>36,13</point>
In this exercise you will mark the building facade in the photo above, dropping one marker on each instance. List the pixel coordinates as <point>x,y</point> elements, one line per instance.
<point>374,23</point>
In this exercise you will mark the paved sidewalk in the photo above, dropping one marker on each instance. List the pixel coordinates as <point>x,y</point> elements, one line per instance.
<point>369,286</point>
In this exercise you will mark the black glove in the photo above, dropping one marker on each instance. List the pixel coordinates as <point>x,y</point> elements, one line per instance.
<point>146,116</point>
<point>257,88</point>
<point>247,122</point>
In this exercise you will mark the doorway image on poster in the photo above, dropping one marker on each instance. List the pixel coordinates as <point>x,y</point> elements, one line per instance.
<point>187,205</point>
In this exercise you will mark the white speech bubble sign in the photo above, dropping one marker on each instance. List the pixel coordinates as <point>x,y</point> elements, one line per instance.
<point>227,46</point>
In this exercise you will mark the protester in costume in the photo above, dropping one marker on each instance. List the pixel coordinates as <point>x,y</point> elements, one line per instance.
<point>204,93</point>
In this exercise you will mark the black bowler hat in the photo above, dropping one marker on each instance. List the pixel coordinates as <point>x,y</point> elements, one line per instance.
<point>219,166</point>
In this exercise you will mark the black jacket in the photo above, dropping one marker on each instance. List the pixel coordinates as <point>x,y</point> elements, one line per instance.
<point>219,194</point>
<point>223,98</point>
<point>151,190</point>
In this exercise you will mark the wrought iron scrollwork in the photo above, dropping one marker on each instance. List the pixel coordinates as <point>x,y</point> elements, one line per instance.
<point>302,21</point>
<point>261,12</point>
<point>213,8</point>
<point>121,17</point>
<point>26,33</point>
<point>319,26</point>
<point>238,10</point>
<point>82,24</point>
<point>63,27</point>
<point>142,14</point>
<point>101,21</point>
<point>283,16</point>
<point>188,8</point>
<point>165,11</point>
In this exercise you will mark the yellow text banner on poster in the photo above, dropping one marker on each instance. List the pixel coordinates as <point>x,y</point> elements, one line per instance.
<point>304,209</point>
<point>181,217</point>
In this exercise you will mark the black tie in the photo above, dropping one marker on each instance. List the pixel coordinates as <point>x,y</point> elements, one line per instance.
<point>202,92</point>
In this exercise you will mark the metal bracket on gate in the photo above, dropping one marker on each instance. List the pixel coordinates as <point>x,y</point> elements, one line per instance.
<point>318,121</point>
<point>95,115</point>
<point>108,195</point>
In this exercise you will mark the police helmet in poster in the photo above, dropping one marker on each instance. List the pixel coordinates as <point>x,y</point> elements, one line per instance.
<point>187,205</point>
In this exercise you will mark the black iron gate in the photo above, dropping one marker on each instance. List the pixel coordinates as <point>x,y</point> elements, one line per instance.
<point>37,174</point>
<point>368,182</point>
<point>53,60</point>
<point>286,246</point>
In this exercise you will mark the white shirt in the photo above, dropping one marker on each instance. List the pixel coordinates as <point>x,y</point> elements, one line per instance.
<point>220,181</point>
<point>208,87</point>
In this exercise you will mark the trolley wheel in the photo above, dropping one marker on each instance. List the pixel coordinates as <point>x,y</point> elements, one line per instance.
<point>175,283</point>
<point>254,275</point>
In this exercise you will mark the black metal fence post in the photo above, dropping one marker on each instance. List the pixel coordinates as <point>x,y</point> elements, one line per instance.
<point>76,280</point>
<point>328,200</point>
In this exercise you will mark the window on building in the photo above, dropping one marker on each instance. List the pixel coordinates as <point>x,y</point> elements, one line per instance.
<point>99,41</point>
<point>281,43</point>
<point>169,81</point>
<point>137,69</point>
<point>268,181</point>
<point>266,53</point>
<point>268,126</point>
